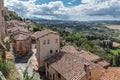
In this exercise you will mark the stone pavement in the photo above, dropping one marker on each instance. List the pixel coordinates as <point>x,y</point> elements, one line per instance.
<point>22,62</point>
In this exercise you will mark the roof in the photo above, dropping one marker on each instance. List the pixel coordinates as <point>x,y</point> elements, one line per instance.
<point>112,73</point>
<point>89,56</point>
<point>42,33</point>
<point>17,23</point>
<point>85,54</point>
<point>21,36</point>
<point>70,66</point>
<point>103,63</point>
<point>19,28</point>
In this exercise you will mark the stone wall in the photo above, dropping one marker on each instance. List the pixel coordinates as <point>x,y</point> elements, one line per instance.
<point>2,22</point>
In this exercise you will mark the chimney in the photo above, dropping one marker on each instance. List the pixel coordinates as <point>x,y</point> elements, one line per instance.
<point>86,67</point>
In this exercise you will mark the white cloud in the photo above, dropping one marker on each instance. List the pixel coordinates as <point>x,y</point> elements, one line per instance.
<point>89,10</point>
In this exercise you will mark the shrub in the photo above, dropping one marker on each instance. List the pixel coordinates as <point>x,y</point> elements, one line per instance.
<point>5,67</point>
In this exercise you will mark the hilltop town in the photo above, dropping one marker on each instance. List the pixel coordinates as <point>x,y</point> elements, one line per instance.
<point>30,53</point>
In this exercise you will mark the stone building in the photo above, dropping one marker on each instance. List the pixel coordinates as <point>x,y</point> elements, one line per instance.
<point>70,66</point>
<point>68,62</point>
<point>2,22</point>
<point>21,40</point>
<point>22,44</point>
<point>73,64</point>
<point>47,44</point>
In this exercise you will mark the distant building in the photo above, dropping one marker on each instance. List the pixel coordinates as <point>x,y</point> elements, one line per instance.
<point>116,45</point>
<point>47,44</point>
<point>2,22</point>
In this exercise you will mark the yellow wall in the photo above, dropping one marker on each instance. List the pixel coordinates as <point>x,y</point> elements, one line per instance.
<point>95,74</point>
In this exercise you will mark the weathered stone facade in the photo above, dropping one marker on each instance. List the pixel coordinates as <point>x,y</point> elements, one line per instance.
<point>21,43</point>
<point>47,44</point>
<point>2,22</point>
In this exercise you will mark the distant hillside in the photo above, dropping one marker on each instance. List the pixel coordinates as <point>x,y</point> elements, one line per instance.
<point>12,15</point>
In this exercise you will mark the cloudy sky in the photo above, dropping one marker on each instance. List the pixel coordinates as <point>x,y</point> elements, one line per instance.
<point>82,10</point>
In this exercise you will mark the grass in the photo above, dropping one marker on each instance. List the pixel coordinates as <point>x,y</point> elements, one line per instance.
<point>13,75</point>
<point>8,69</point>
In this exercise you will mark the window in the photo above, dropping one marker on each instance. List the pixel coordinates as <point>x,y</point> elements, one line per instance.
<point>90,73</point>
<point>59,75</point>
<point>47,65</point>
<point>51,51</point>
<point>56,51</point>
<point>2,13</point>
<point>53,76</point>
<point>56,41</point>
<point>47,74</point>
<point>44,42</point>
<point>48,42</point>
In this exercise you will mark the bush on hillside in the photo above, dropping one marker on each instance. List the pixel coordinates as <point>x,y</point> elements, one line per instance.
<point>5,67</point>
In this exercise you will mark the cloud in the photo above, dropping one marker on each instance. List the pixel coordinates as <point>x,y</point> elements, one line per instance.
<point>87,10</point>
<point>71,2</point>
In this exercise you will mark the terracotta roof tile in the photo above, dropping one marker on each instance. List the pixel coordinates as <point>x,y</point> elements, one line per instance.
<point>44,32</point>
<point>85,54</point>
<point>112,73</point>
<point>21,36</point>
<point>103,63</point>
<point>70,66</point>
<point>89,56</point>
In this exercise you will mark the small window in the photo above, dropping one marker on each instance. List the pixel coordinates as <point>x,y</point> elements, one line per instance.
<point>2,13</point>
<point>47,65</point>
<point>56,41</point>
<point>90,73</point>
<point>48,42</point>
<point>56,51</point>
<point>51,51</point>
<point>53,76</point>
<point>47,74</point>
<point>44,42</point>
<point>59,75</point>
